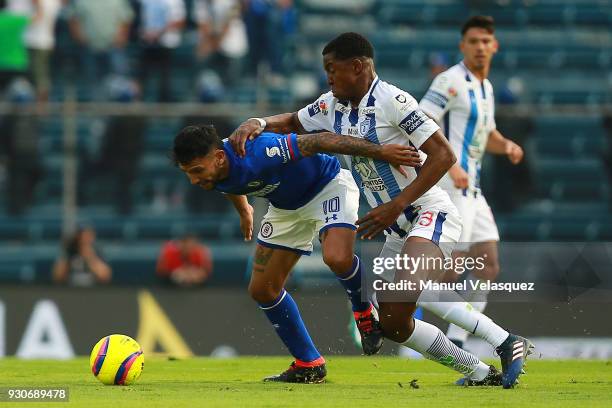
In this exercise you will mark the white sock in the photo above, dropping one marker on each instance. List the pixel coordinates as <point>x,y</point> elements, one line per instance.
<point>456,333</point>
<point>428,340</point>
<point>450,306</point>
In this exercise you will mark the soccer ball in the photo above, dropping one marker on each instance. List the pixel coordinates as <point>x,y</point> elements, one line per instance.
<point>117,360</point>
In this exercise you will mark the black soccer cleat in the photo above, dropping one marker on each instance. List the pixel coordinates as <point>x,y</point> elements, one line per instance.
<point>298,374</point>
<point>513,353</point>
<point>370,331</point>
<point>494,378</point>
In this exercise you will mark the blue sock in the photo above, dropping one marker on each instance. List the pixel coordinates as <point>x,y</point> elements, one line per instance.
<point>351,281</point>
<point>285,317</point>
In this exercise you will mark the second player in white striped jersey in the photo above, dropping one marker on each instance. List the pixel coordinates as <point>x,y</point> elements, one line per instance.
<point>386,114</point>
<point>461,100</point>
<point>465,108</point>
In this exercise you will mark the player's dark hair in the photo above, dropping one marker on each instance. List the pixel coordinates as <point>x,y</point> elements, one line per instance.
<point>349,45</point>
<point>193,142</point>
<point>485,22</point>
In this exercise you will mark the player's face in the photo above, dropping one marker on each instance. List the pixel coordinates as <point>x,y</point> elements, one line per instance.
<point>478,47</point>
<point>341,76</point>
<point>204,171</point>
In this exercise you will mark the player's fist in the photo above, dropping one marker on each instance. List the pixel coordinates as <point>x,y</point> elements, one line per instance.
<point>246,222</point>
<point>379,218</point>
<point>514,152</point>
<point>249,129</point>
<point>459,176</point>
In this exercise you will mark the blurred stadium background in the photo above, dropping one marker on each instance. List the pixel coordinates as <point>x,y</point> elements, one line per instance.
<point>92,150</point>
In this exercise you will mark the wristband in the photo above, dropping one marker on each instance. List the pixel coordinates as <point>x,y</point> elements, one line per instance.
<point>262,122</point>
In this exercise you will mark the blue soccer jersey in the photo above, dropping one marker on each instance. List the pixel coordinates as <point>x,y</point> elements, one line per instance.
<point>275,169</point>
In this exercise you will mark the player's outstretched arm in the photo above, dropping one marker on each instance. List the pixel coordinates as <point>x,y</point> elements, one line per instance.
<point>327,142</point>
<point>498,144</point>
<point>245,210</point>
<point>440,158</point>
<point>251,128</point>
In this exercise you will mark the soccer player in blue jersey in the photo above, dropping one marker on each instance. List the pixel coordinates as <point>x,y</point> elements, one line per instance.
<point>417,216</point>
<point>309,194</point>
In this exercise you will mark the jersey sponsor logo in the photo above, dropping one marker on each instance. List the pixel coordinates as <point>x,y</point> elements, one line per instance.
<point>367,111</point>
<point>374,184</point>
<point>412,121</point>
<point>313,109</point>
<point>323,107</point>
<point>273,151</point>
<point>401,98</point>
<point>369,175</point>
<point>266,229</point>
<point>344,109</point>
<point>318,106</point>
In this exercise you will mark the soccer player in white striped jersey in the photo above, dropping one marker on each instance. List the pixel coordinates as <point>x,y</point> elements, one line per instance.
<point>416,215</point>
<point>461,101</point>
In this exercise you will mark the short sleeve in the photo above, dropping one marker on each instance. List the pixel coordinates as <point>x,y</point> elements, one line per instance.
<point>408,117</point>
<point>439,97</point>
<point>493,124</point>
<point>316,116</point>
<point>271,150</point>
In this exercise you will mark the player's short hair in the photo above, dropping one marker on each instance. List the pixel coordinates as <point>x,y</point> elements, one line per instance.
<point>193,142</point>
<point>485,22</point>
<point>349,45</point>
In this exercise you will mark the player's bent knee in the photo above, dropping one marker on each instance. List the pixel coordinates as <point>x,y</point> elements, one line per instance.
<point>340,263</point>
<point>263,293</point>
<point>397,323</point>
<point>395,332</point>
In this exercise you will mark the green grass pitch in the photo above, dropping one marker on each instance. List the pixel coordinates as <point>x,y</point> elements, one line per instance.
<point>352,382</point>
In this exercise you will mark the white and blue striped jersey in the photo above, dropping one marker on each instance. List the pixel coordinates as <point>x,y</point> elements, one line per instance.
<point>465,107</point>
<point>385,115</point>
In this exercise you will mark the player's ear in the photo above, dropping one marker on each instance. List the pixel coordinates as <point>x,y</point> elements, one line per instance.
<point>495,45</point>
<point>358,66</point>
<point>220,156</point>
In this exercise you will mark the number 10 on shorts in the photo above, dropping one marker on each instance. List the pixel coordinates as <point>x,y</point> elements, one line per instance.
<point>331,207</point>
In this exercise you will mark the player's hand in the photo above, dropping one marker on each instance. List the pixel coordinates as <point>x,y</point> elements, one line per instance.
<point>514,152</point>
<point>246,223</point>
<point>378,219</point>
<point>246,131</point>
<point>399,155</point>
<point>459,176</point>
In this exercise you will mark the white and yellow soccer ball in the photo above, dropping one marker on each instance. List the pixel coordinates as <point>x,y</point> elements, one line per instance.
<point>117,360</point>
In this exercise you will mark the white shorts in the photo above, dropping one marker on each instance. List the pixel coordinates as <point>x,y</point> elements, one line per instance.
<point>437,221</point>
<point>336,205</point>
<point>478,222</point>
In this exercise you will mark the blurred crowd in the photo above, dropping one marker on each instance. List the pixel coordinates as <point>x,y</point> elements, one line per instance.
<point>137,40</point>
<point>182,262</point>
